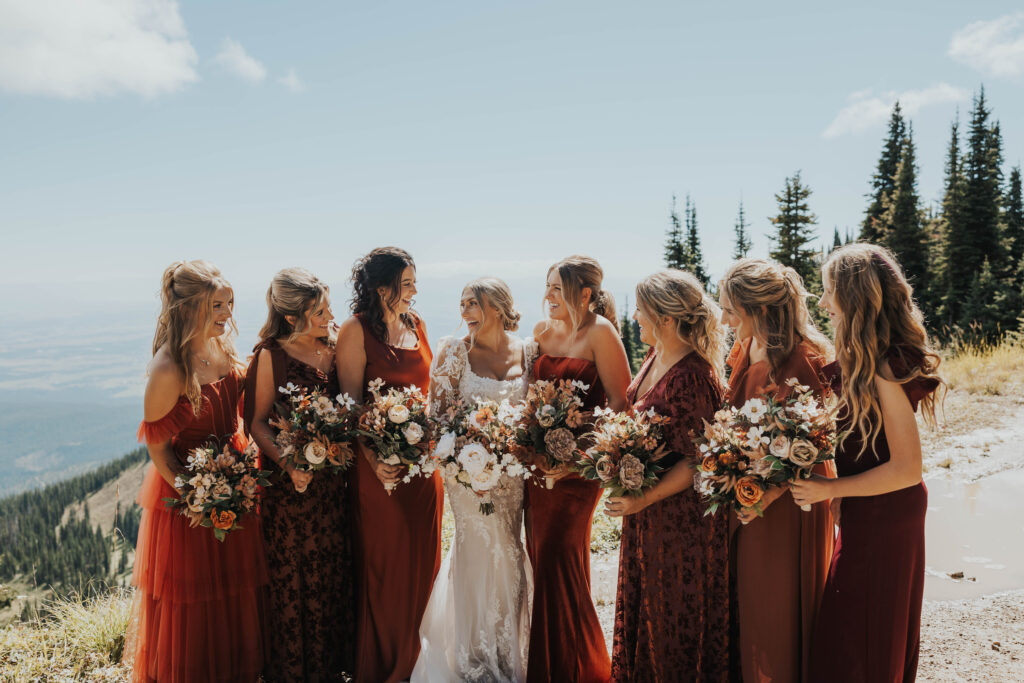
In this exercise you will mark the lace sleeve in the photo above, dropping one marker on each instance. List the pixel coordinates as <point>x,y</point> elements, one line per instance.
<point>531,349</point>
<point>445,373</point>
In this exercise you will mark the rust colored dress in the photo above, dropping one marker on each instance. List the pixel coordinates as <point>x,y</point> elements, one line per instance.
<point>780,561</point>
<point>199,603</point>
<point>398,537</point>
<point>869,626</point>
<point>309,556</point>
<point>566,641</point>
<point>672,602</point>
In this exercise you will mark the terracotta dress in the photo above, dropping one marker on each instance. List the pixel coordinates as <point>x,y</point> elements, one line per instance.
<point>566,641</point>
<point>681,633</point>
<point>780,561</point>
<point>398,537</point>
<point>199,603</point>
<point>309,556</point>
<point>869,625</point>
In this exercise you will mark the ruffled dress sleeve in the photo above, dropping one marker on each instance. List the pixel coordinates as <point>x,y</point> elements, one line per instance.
<point>905,362</point>
<point>689,398</point>
<point>445,373</point>
<point>159,431</point>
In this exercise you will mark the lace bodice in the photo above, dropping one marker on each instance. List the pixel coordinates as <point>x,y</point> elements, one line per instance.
<point>452,375</point>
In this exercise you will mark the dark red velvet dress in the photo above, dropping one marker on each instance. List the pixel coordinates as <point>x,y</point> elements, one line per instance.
<point>200,603</point>
<point>869,625</point>
<point>309,555</point>
<point>398,537</point>
<point>566,641</point>
<point>672,603</point>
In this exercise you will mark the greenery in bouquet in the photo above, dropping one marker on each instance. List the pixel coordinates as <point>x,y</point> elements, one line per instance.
<point>314,430</point>
<point>625,451</point>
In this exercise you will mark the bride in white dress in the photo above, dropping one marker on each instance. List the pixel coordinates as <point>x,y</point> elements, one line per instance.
<point>477,623</point>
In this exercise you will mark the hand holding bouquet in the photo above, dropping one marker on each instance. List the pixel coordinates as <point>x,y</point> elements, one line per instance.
<point>550,419</point>
<point>396,422</point>
<point>473,447</point>
<point>314,430</point>
<point>220,485</point>
<point>764,443</point>
<point>625,452</point>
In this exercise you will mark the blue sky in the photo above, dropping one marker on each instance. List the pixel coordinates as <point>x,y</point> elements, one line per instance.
<point>486,138</point>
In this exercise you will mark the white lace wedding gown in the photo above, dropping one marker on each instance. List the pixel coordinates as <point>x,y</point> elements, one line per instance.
<point>477,623</point>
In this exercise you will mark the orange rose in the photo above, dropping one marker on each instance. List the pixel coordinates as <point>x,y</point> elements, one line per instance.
<point>222,520</point>
<point>727,459</point>
<point>748,491</point>
<point>708,464</point>
<point>338,453</point>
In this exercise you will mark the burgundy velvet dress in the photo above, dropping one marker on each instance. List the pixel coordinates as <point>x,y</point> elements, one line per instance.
<point>566,641</point>
<point>398,537</point>
<point>780,560</point>
<point>309,555</point>
<point>200,604</point>
<point>672,603</point>
<point>869,625</point>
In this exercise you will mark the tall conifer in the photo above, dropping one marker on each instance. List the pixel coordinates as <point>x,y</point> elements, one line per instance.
<point>905,233</point>
<point>742,229</point>
<point>884,179</point>
<point>694,253</point>
<point>675,248</point>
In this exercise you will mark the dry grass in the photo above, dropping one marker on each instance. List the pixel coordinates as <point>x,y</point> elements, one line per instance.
<point>989,369</point>
<point>79,639</point>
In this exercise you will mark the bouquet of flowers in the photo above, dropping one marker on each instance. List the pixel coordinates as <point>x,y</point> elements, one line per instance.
<point>220,485</point>
<point>396,422</point>
<point>625,452</point>
<point>314,430</point>
<point>550,418</point>
<point>764,443</point>
<point>473,447</point>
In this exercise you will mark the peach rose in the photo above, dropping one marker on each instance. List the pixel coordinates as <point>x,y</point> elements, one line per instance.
<point>709,463</point>
<point>803,453</point>
<point>224,519</point>
<point>748,491</point>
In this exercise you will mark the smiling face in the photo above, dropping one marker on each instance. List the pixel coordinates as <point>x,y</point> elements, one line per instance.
<point>478,315</point>
<point>222,306</point>
<point>741,323</point>
<point>557,309</point>
<point>319,318</point>
<point>647,324</point>
<point>400,302</point>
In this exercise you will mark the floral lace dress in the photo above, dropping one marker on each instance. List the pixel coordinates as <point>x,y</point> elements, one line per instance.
<point>477,623</point>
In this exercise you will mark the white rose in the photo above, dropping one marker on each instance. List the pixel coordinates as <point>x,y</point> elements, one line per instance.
<point>474,458</point>
<point>445,446</point>
<point>315,452</point>
<point>398,414</point>
<point>413,433</point>
<point>486,479</point>
<point>546,415</point>
<point>779,446</point>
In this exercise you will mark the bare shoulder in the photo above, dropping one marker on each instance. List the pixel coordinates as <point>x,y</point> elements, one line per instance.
<point>164,387</point>
<point>602,332</point>
<point>350,329</point>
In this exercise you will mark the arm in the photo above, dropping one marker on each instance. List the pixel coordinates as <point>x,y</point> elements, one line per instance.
<point>612,364</point>
<point>262,434</point>
<point>678,478</point>
<point>445,375</point>
<point>350,360</point>
<point>903,468</point>
<point>163,388</point>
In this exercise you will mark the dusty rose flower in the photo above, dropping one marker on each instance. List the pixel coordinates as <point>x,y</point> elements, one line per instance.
<point>606,468</point>
<point>546,416</point>
<point>631,472</point>
<point>760,467</point>
<point>779,446</point>
<point>802,453</point>
<point>413,433</point>
<point>560,444</point>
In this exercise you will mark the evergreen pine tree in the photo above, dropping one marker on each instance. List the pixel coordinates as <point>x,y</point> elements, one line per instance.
<point>950,240</point>
<point>794,229</point>
<point>883,180</point>
<point>675,249</point>
<point>836,241</point>
<point>743,242</point>
<point>694,253</point>
<point>979,317</point>
<point>626,333</point>
<point>905,233</point>
<point>1013,219</point>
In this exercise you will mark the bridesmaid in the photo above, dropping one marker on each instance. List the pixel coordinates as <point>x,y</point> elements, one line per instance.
<point>398,536</point>
<point>199,603</point>
<point>305,517</point>
<point>870,620</point>
<point>579,341</point>
<point>781,559</point>
<point>682,633</point>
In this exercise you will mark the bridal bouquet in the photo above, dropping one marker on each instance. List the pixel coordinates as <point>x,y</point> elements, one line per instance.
<point>220,485</point>
<point>473,447</point>
<point>625,452</point>
<point>550,419</point>
<point>396,422</point>
<point>314,430</point>
<point>764,443</point>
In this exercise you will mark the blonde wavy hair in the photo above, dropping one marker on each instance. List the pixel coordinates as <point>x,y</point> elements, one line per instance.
<point>493,291</point>
<point>679,295</point>
<point>579,273</point>
<point>186,297</point>
<point>293,292</point>
<point>775,299</point>
<point>877,313</point>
